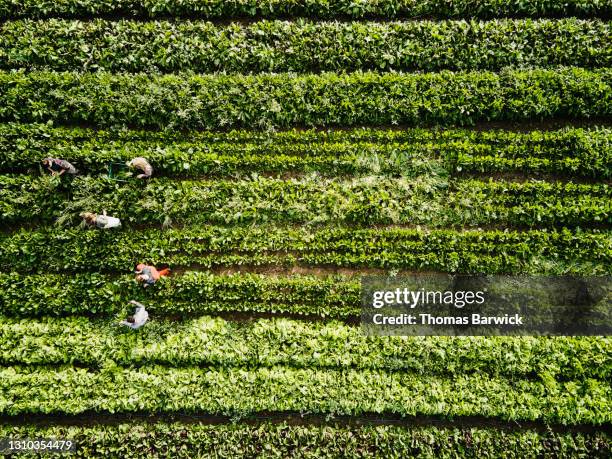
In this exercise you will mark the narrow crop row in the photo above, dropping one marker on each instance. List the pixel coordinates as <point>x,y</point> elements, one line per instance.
<point>192,293</point>
<point>191,160</point>
<point>347,392</point>
<point>265,440</point>
<point>302,46</point>
<point>284,100</point>
<point>569,141</point>
<point>207,341</point>
<point>311,8</point>
<point>410,152</point>
<point>367,201</point>
<point>587,252</point>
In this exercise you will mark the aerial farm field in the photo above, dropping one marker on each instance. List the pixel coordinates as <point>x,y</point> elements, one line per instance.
<point>297,145</point>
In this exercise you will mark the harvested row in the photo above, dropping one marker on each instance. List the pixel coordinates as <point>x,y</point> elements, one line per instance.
<point>238,391</point>
<point>302,46</point>
<point>310,8</point>
<point>366,201</point>
<point>410,152</point>
<point>285,100</point>
<point>217,342</point>
<point>553,252</point>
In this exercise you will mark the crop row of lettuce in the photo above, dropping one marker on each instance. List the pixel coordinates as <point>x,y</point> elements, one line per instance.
<point>285,100</point>
<point>191,293</point>
<point>311,8</point>
<point>365,201</point>
<point>234,391</point>
<point>412,152</point>
<point>194,293</point>
<point>587,252</point>
<point>266,343</point>
<point>265,440</point>
<point>567,141</point>
<point>303,46</point>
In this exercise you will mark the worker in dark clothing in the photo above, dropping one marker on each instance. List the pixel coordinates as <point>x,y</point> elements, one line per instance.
<point>59,166</point>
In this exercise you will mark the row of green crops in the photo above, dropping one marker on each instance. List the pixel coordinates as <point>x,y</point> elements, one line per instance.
<point>218,160</point>
<point>189,160</point>
<point>303,46</point>
<point>569,141</point>
<point>311,8</point>
<point>365,201</point>
<point>208,341</point>
<point>266,101</point>
<point>411,152</point>
<point>587,252</point>
<point>339,392</point>
<point>282,440</point>
<point>194,292</point>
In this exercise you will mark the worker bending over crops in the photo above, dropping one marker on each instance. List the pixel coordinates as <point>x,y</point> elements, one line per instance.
<point>139,318</point>
<point>148,275</point>
<point>142,165</point>
<point>101,221</point>
<point>59,166</point>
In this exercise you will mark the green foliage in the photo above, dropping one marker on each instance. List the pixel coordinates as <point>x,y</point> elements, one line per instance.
<point>303,46</point>
<point>341,184</point>
<point>214,341</point>
<point>264,440</point>
<point>242,391</point>
<point>311,8</point>
<point>587,252</point>
<point>266,101</point>
<point>410,152</point>
<point>191,293</point>
<point>366,201</point>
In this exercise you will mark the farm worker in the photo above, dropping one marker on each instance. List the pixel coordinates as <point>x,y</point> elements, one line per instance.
<point>148,275</point>
<point>59,166</point>
<point>142,165</point>
<point>139,318</point>
<point>101,221</point>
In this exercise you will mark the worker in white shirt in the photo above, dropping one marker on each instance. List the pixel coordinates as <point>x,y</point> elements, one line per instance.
<point>141,164</point>
<point>101,221</point>
<point>139,318</point>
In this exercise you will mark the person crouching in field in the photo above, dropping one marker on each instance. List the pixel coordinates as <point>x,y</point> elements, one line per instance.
<point>148,275</point>
<point>101,221</point>
<point>139,318</point>
<point>59,166</point>
<point>143,166</point>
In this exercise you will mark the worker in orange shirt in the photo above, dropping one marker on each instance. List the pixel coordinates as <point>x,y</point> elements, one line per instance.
<point>147,275</point>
